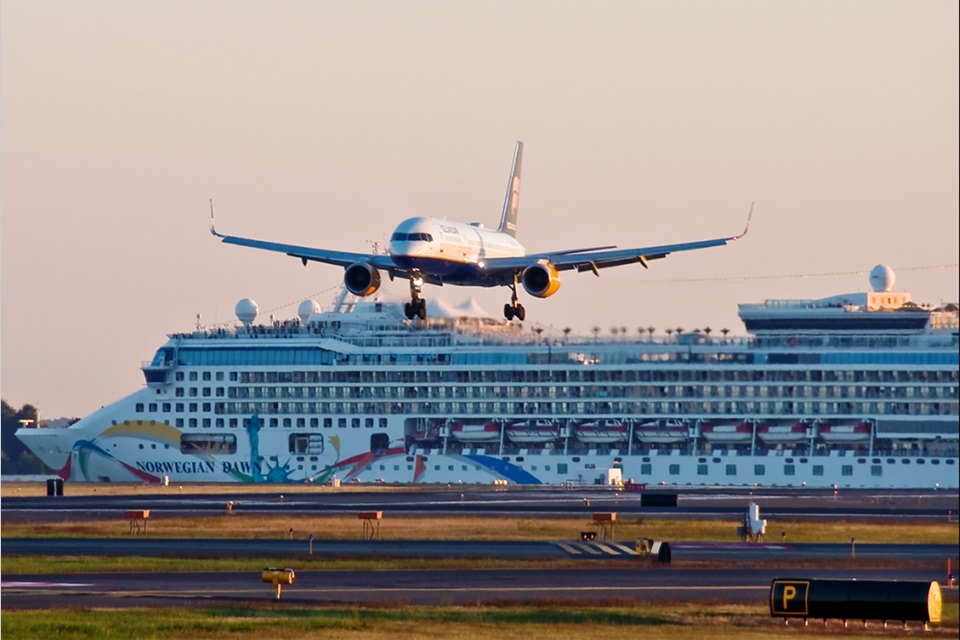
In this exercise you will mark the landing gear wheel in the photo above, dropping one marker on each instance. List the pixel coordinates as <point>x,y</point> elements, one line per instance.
<point>520,312</point>
<point>409,311</point>
<point>508,311</point>
<point>422,309</point>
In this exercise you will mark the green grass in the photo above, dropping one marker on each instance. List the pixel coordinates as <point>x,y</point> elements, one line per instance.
<point>277,526</point>
<point>558,621</point>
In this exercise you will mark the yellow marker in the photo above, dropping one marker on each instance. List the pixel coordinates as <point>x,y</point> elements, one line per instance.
<point>789,593</point>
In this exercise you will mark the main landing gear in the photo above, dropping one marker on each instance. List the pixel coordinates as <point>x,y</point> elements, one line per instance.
<point>514,309</point>
<point>417,307</point>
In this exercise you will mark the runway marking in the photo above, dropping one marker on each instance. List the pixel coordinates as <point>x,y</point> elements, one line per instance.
<point>569,549</point>
<point>589,549</point>
<point>608,550</point>
<point>41,585</point>
<point>626,549</point>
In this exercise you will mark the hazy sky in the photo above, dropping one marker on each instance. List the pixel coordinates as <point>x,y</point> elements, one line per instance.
<point>326,123</point>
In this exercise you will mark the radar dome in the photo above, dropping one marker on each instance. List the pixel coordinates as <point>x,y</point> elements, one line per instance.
<point>882,278</point>
<point>247,311</point>
<point>306,309</point>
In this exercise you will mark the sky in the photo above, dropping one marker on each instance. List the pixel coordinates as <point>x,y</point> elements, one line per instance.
<point>326,123</point>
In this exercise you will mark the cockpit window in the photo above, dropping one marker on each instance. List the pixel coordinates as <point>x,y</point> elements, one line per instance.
<point>411,237</point>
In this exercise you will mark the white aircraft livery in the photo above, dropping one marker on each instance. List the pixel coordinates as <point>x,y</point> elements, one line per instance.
<point>434,251</point>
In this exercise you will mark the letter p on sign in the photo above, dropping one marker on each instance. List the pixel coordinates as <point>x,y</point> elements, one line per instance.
<point>789,598</point>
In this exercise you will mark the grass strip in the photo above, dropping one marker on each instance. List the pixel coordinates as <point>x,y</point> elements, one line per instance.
<point>560,621</point>
<point>278,527</point>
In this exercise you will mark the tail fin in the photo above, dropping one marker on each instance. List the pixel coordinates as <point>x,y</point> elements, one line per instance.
<point>508,219</point>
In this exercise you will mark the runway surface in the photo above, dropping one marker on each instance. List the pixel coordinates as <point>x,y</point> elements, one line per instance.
<point>600,550</point>
<point>700,503</point>
<point>432,588</point>
<point>610,582</point>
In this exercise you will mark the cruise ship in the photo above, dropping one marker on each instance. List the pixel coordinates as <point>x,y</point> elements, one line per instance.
<point>856,390</point>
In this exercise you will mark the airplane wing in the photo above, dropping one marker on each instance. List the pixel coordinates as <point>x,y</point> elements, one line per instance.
<point>594,260</point>
<point>340,258</point>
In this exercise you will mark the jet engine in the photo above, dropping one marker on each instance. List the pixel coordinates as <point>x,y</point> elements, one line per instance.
<point>361,279</point>
<point>540,280</point>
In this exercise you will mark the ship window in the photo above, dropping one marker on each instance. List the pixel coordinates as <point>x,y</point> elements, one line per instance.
<point>141,446</point>
<point>846,470</point>
<point>576,458</point>
<point>206,406</point>
<point>562,468</point>
<point>206,375</point>
<point>935,461</point>
<point>759,470</point>
<point>179,392</point>
<point>876,470</point>
<point>861,461</point>
<point>436,467</point>
<point>139,407</point>
<point>193,423</point>
<point>342,423</point>
<point>355,423</point>
<point>818,469</point>
<point>192,392</point>
<point>674,470</point>
<point>193,376</point>
<point>206,423</point>
<point>327,423</point>
<point>179,423</point>
<point>904,461</point>
<point>206,392</point>
<point>731,469</point>
<point>179,376</point>
<point>789,470</point>
<point>921,461</point>
<point>383,423</point>
<point>166,407</point>
<point>891,461</point>
<point>701,469</point>
<point>950,461</point>
<point>205,444</point>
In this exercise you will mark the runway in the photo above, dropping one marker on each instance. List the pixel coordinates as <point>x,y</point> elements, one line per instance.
<point>692,503</point>
<point>599,550</point>
<point>429,588</point>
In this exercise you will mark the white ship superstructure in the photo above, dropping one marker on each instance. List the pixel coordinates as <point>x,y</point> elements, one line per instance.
<point>854,391</point>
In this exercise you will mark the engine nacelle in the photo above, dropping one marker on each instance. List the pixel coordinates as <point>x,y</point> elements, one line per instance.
<point>540,280</point>
<point>361,279</point>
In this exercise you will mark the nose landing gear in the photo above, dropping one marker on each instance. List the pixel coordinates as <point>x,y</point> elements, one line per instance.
<point>417,307</point>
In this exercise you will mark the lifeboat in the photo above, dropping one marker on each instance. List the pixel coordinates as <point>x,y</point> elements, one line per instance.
<point>845,433</point>
<point>485,432</point>
<point>601,432</point>
<point>532,431</point>
<point>782,434</point>
<point>728,433</point>
<point>661,432</point>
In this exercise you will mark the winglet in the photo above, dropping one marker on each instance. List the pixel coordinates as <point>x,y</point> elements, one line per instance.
<point>213,227</point>
<point>746,228</point>
<point>508,219</point>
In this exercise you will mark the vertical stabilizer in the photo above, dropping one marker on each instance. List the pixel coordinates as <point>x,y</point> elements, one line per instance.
<point>508,219</point>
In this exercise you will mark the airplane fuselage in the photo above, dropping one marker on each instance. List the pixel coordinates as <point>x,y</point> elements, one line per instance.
<point>453,252</point>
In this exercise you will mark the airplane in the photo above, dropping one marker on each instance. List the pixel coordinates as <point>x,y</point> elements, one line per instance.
<point>434,251</point>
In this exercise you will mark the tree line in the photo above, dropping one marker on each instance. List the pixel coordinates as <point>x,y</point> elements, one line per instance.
<point>15,458</point>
